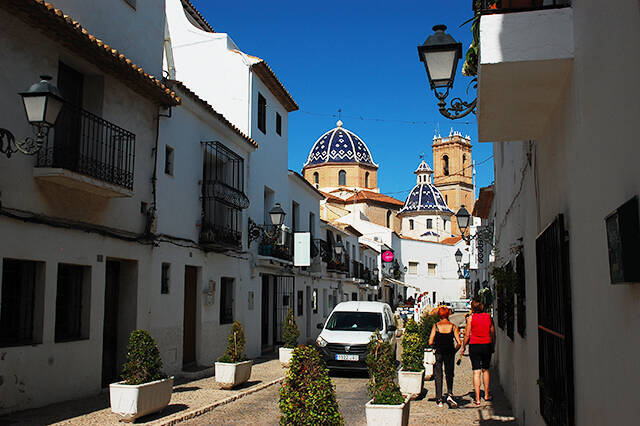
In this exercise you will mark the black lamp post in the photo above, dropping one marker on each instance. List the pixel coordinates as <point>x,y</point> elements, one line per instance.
<point>42,104</point>
<point>440,54</point>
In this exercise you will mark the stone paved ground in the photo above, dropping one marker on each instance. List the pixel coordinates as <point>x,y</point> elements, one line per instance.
<point>186,396</point>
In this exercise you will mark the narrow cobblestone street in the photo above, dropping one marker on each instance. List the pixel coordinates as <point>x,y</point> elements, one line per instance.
<point>262,407</point>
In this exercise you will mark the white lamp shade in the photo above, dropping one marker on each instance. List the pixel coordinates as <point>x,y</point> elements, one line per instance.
<point>458,256</point>
<point>35,107</point>
<point>441,66</point>
<point>54,105</point>
<point>277,215</point>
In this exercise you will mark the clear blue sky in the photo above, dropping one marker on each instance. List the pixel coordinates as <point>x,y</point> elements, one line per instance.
<point>359,56</point>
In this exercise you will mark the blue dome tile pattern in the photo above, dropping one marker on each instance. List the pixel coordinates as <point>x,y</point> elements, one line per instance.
<point>339,145</point>
<point>425,197</point>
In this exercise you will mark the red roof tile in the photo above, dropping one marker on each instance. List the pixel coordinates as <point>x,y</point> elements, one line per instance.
<point>60,27</point>
<point>482,207</point>
<point>374,196</point>
<point>332,197</point>
<point>451,240</point>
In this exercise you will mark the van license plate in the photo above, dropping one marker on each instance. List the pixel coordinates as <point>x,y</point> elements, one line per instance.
<point>346,357</point>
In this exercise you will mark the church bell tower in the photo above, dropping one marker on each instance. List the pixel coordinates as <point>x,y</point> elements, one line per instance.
<point>453,172</point>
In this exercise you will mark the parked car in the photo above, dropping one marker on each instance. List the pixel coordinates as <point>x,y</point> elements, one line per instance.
<point>460,305</point>
<point>344,337</point>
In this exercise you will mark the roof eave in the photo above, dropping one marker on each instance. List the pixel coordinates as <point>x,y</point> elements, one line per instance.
<point>275,85</point>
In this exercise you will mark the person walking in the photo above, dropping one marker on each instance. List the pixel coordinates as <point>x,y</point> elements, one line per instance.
<point>480,335</point>
<point>443,335</point>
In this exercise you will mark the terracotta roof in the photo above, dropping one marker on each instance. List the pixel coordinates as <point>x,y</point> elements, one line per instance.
<point>451,240</point>
<point>374,196</point>
<point>447,241</point>
<point>195,14</point>
<point>482,207</point>
<point>274,85</point>
<point>332,197</point>
<point>60,27</point>
<point>188,92</point>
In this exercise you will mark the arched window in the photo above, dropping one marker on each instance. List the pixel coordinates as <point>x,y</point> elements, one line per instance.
<point>446,199</point>
<point>388,218</point>
<point>445,165</point>
<point>464,168</point>
<point>342,177</point>
<point>366,180</point>
<point>429,223</point>
<point>316,178</point>
<point>411,224</point>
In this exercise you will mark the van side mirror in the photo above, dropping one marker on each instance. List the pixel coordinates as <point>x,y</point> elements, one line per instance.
<point>391,328</point>
<point>319,326</point>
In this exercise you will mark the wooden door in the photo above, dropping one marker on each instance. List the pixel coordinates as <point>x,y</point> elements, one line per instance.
<point>190,308</point>
<point>110,368</point>
<point>265,311</point>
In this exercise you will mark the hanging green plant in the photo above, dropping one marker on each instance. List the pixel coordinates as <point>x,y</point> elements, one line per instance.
<point>505,278</point>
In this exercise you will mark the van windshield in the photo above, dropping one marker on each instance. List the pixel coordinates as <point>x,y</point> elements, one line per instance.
<point>355,321</point>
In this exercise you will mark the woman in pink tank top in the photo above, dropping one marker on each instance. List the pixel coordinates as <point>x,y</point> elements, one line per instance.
<point>480,335</point>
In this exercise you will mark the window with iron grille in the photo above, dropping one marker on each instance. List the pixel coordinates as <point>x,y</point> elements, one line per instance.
<point>278,124</point>
<point>168,160</point>
<point>21,303</point>
<point>521,297</point>
<point>223,197</point>
<point>226,300</point>
<point>555,348</point>
<point>509,307</point>
<point>73,299</point>
<point>164,279</point>
<point>501,307</point>
<point>262,113</point>
<point>314,301</point>
<point>354,296</point>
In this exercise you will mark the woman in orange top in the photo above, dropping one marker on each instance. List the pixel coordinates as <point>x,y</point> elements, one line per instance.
<point>480,335</point>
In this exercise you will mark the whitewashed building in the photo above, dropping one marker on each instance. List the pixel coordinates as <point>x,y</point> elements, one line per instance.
<point>556,98</point>
<point>81,204</point>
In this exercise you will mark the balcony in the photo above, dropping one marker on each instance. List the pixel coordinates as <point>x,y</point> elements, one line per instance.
<point>88,153</point>
<point>526,57</point>
<point>277,243</point>
<point>340,265</point>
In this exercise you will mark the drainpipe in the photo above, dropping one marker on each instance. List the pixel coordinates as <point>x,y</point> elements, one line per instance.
<point>168,52</point>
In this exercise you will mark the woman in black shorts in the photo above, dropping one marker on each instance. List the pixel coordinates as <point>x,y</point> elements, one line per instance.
<point>480,334</point>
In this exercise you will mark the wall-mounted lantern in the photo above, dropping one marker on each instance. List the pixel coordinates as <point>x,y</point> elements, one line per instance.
<point>42,105</point>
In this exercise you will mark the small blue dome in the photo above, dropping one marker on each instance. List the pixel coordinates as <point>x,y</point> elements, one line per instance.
<point>339,145</point>
<point>425,197</point>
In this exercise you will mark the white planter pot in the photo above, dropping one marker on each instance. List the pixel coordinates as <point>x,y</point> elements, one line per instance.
<point>411,382</point>
<point>429,360</point>
<point>285,354</point>
<point>232,374</point>
<point>134,401</point>
<point>387,415</point>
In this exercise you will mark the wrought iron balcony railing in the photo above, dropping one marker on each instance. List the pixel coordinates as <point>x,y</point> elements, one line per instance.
<point>219,236</point>
<point>89,145</point>
<point>323,249</point>
<point>339,265</point>
<point>487,7</point>
<point>276,243</point>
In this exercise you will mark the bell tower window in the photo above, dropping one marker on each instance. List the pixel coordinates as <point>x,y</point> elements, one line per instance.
<point>445,165</point>
<point>388,218</point>
<point>342,178</point>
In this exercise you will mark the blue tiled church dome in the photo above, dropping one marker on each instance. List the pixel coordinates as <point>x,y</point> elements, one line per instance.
<point>339,145</point>
<point>424,196</point>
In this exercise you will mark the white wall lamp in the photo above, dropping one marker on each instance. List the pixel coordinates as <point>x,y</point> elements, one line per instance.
<point>440,54</point>
<point>42,104</point>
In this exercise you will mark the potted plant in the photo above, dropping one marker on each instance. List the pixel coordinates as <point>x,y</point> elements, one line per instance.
<point>308,397</point>
<point>290,334</point>
<point>387,405</point>
<point>411,375</point>
<point>427,321</point>
<point>232,368</point>
<point>144,388</point>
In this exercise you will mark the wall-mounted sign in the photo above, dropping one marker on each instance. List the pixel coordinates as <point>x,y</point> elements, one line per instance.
<point>387,256</point>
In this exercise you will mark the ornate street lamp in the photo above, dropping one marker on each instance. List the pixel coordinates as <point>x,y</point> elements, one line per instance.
<point>440,54</point>
<point>458,256</point>
<point>277,215</point>
<point>464,220</point>
<point>338,247</point>
<point>42,104</point>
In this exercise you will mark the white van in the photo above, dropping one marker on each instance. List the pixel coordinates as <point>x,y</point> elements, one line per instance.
<point>344,337</point>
